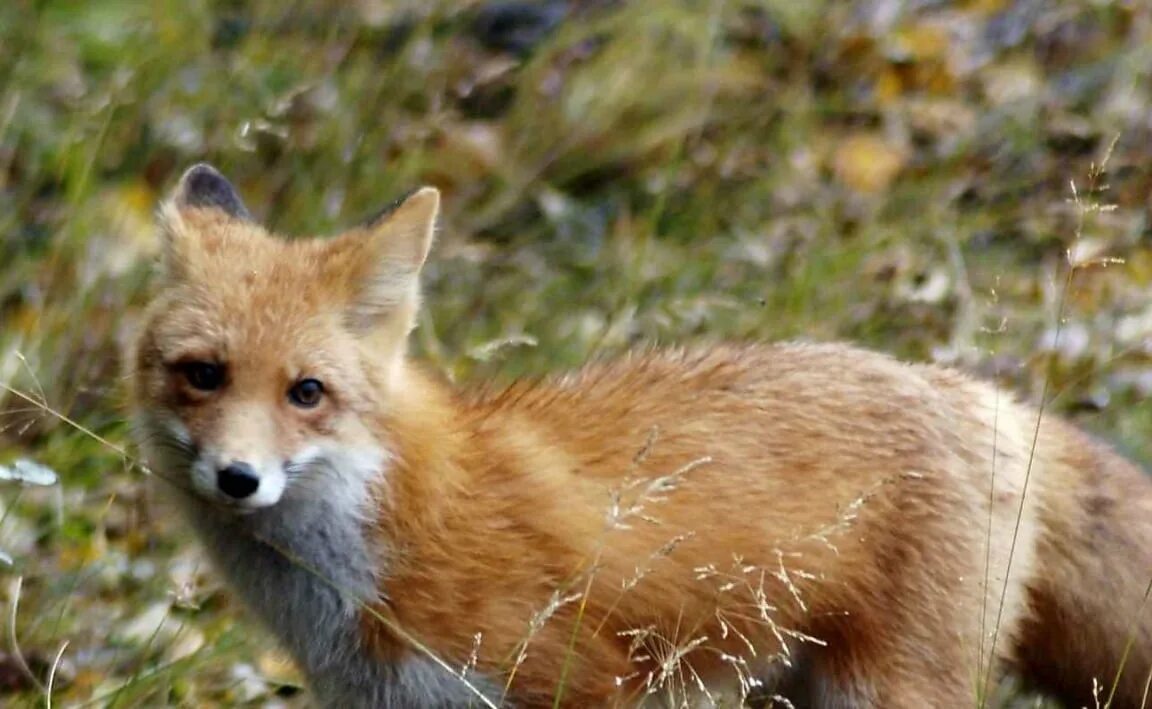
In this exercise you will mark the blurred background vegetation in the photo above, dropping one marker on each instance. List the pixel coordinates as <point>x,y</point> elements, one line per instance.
<point>919,176</point>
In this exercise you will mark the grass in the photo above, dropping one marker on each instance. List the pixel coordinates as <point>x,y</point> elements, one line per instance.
<point>649,171</point>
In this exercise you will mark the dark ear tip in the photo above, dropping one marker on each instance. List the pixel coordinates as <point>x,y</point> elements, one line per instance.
<point>201,179</point>
<point>204,186</point>
<point>201,171</point>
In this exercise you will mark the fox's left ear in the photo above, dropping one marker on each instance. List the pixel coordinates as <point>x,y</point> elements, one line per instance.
<point>397,241</point>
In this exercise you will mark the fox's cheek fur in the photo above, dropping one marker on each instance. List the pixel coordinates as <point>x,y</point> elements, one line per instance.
<point>289,454</point>
<point>338,472</point>
<point>166,444</point>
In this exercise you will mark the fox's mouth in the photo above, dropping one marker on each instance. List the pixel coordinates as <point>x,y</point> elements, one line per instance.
<point>236,508</point>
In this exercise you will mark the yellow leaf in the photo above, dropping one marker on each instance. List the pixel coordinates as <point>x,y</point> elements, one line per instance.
<point>80,555</point>
<point>24,319</point>
<point>867,163</point>
<point>920,42</point>
<point>985,7</point>
<point>129,210</point>
<point>85,681</point>
<point>889,85</point>
<point>276,667</point>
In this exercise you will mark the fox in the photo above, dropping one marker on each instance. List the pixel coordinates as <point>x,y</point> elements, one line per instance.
<point>791,524</point>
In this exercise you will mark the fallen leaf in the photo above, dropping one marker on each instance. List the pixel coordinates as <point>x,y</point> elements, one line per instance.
<point>278,668</point>
<point>867,163</point>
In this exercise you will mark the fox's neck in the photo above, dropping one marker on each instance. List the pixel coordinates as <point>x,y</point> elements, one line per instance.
<point>306,571</point>
<point>467,478</point>
<point>427,438</point>
<point>302,568</point>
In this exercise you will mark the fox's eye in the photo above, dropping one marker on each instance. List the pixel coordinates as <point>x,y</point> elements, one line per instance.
<point>204,376</point>
<point>306,393</point>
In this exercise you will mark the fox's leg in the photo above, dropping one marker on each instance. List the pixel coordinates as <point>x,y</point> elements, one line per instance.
<point>906,654</point>
<point>1087,608</point>
<point>1071,649</point>
<point>898,676</point>
<point>896,612</point>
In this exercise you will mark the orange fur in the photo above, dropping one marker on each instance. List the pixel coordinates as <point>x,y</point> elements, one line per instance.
<point>678,519</point>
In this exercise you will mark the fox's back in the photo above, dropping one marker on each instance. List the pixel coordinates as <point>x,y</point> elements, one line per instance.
<point>769,415</point>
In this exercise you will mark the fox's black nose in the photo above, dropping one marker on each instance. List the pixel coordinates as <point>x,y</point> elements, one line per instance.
<point>238,480</point>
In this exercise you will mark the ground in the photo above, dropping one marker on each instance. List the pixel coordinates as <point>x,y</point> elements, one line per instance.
<point>960,182</point>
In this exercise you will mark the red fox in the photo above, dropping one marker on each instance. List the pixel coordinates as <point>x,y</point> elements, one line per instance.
<point>793,524</point>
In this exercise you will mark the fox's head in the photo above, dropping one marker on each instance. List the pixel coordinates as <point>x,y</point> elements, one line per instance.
<point>261,361</point>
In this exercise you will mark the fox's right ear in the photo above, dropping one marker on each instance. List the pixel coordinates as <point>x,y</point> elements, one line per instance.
<point>390,251</point>
<point>201,192</point>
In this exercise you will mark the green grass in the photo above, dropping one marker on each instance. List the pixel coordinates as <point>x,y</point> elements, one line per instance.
<point>659,171</point>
